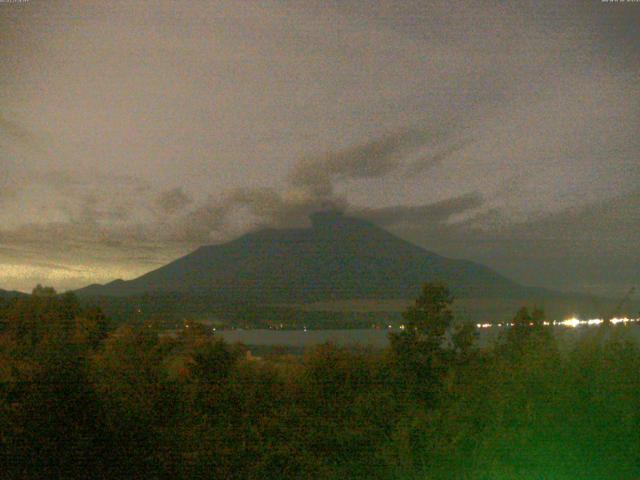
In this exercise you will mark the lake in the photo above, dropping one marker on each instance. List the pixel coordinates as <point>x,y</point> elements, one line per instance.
<point>379,339</point>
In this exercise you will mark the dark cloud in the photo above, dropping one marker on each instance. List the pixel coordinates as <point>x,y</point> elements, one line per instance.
<point>95,211</point>
<point>583,248</point>
<point>173,201</point>
<point>271,207</point>
<point>95,217</point>
<point>196,225</point>
<point>374,159</point>
<point>311,185</point>
<point>435,156</point>
<point>431,213</point>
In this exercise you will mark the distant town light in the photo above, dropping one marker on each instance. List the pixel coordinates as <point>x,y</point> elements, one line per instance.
<point>572,322</point>
<point>621,320</point>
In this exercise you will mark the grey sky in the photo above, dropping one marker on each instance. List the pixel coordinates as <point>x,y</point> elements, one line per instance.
<point>131,132</point>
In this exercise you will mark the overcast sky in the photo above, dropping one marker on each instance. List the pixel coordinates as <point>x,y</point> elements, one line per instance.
<point>503,132</point>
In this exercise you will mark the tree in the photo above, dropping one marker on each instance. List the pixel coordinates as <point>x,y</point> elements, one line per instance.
<point>527,331</point>
<point>41,291</point>
<point>422,350</point>
<point>49,428</point>
<point>426,321</point>
<point>136,399</point>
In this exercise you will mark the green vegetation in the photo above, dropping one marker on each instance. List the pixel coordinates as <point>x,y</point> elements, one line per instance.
<point>79,401</point>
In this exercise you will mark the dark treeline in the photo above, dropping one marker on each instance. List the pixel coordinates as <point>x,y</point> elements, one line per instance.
<point>78,400</point>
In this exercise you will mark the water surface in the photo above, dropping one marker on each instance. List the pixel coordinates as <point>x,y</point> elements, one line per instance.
<point>379,338</point>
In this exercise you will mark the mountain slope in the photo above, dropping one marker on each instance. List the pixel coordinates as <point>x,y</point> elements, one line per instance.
<point>11,294</point>
<point>339,257</point>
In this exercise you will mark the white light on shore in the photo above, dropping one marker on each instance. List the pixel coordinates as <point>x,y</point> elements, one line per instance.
<point>621,320</point>
<point>484,325</point>
<point>572,322</point>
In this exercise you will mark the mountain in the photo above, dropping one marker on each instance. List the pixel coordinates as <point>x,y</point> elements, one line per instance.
<point>338,257</point>
<point>11,294</point>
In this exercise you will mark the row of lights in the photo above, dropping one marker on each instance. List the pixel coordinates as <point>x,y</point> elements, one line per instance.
<point>570,322</point>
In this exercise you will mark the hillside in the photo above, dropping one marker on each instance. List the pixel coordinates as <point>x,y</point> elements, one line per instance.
<point>10,294</point>
<point>338,257</point>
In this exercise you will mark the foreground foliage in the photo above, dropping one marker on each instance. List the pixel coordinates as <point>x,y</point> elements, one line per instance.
<point>78,402</point>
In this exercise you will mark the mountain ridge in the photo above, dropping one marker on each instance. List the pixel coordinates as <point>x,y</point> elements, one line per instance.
<point>338,257</point>
<point>11,294</point>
